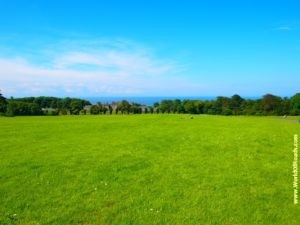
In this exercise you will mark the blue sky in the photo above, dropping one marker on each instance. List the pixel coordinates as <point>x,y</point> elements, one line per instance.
<point>149,48</point>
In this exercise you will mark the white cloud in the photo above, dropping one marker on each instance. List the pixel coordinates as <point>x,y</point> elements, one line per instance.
<point>113,60</point>
<point>89,68</point>
<point>284,28</point>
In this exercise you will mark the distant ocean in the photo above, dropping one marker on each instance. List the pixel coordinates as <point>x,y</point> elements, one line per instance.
<point>149,101</point>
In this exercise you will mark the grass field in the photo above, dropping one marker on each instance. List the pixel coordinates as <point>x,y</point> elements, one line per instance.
<point>147,169</point>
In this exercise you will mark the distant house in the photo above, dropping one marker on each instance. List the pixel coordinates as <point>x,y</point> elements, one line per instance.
<point>87,107</point>
<point>48,109</point>
<point>143,108</point>
<point>113,105</point>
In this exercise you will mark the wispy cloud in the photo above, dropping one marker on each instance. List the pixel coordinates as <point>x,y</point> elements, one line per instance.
<point>89,68</point>
<point>284,28</point>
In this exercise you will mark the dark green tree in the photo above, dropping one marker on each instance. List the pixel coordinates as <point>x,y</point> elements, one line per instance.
<point>221,104</point>
<point>271,105</point>
<point>235,104</point>
<point>178,108</point>
<point>75,107</point>
<point>166,106</point>
<point>295,104</point>
<point>110,109</point>
<point>151,109</point>
<point>189,106</point>
<point>286,106</point>
<point>104,109</point>
<point>94,110</point>
<point>199,105</point>
<point>17,108</point>
<point>156,104</point>
<point>124,107</point>
<point>3,103</point>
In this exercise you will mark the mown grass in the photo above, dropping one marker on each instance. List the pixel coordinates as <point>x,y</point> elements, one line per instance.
<point>147,169</point>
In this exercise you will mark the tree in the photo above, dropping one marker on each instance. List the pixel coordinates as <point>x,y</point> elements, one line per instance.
<point>286,106</point>
<point>221,104</point>
<point>151,110</point>
<point>226,111</point>
<point>208,107</point>
<point>271,104</point>
<point>100,107</point>
<point>295,104</point>
<point>135,108</point>
<point>94,110</point>
<point>104,109</point>
<point>110,109</point>
<point>178,106</point>
<point>249,107</point>
<point>66,103</point>
<point>10,110</point>
<point>75,107</point>
<point>156,105</point>
<point>189,106</point>
<point>17,108</point>
<point>166,106</point>
<point>235,104</point>
<point>3,104</point>
<point>124,107</point>
<point>63,111</point>
<point>199,105</point>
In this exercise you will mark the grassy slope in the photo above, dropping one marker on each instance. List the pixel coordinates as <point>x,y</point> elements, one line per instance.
<point>147,169</point>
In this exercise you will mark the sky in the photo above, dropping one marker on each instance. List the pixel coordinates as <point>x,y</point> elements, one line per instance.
<point>90,48</point>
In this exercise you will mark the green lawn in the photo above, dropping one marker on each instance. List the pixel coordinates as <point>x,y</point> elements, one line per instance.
<point>147,169</point>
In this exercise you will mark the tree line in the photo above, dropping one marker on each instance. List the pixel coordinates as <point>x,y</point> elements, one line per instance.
<point>235,105</point>
<point>43,105</point>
